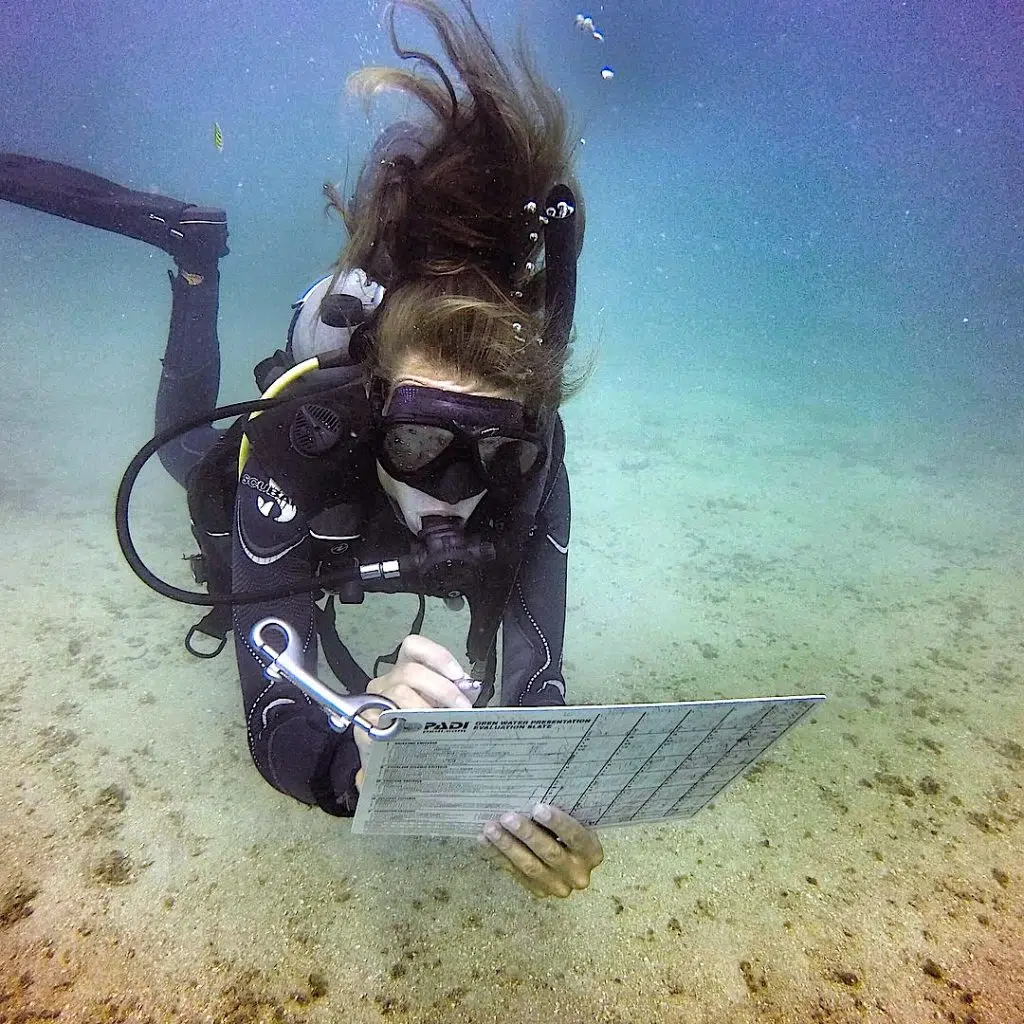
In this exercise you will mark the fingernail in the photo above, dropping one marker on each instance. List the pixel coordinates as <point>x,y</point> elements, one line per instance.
<point>510,820</point>
<point>491,830</point>
<point>541,813</point>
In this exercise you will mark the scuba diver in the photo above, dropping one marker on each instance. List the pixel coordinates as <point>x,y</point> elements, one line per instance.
<point>408,438</point>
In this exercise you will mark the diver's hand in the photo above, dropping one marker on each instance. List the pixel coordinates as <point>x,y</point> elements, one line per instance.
<point>422,677</point>
<point>549,852</point>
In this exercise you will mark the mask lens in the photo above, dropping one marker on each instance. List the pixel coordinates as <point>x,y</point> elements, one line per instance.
<point>411,446</point>
<point>507,459</point>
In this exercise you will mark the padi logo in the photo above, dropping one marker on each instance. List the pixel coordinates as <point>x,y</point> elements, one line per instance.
<point>446,726</point>
<point>276,505</point>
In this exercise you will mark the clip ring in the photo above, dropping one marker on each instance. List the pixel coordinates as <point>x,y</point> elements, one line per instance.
<point>342,710</point>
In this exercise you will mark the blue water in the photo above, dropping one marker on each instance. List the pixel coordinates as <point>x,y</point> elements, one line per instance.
<point>832,181</point>
<point>803,282</point>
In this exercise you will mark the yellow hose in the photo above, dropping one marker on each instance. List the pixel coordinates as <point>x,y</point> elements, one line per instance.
<point>275,389</point>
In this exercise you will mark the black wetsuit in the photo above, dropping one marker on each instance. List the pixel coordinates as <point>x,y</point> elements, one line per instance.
<point>276,540</point>
<point>288,735</point>
<point>275,543</point>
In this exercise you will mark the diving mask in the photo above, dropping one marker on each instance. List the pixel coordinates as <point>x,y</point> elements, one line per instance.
<point>451,445</point>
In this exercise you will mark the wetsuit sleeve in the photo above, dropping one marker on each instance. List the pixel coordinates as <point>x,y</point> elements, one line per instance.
<point>291,743</point>
<point>533,625</point>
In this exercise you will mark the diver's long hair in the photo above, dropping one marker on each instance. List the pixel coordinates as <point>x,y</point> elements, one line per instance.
<point>441,213</point>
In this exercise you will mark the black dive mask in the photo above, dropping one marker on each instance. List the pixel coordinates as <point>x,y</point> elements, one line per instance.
<point>453,445</point>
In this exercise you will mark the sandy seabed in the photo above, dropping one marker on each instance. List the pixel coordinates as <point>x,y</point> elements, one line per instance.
<point>726,543</point>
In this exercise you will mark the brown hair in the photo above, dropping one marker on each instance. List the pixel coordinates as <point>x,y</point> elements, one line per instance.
<point>441,215</point>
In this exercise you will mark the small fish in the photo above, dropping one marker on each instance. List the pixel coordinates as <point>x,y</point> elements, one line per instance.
<point>607,73</point>
<point>218,137</point>
<point>599,36</point>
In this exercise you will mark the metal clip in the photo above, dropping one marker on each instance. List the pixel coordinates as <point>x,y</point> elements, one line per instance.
<point>342,710</point>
